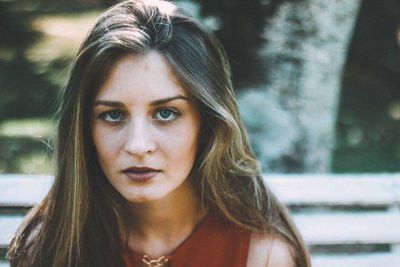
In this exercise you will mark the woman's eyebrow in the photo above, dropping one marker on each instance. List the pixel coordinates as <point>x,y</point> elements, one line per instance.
<point>168,99</point>
<point>153,103</point>
<point>108,103</point>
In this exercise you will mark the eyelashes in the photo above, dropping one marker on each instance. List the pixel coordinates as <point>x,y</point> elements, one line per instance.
<point>166,114</point>
<point>112,116</point>
<point>163,115</point>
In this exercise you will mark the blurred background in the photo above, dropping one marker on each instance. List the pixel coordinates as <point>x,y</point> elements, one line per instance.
<point>318,82</point>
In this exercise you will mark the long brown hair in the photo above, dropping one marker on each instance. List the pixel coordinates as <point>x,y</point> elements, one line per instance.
<point>80,222</point>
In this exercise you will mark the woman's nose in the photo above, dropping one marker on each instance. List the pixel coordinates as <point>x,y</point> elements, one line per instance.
<point>139,140</point>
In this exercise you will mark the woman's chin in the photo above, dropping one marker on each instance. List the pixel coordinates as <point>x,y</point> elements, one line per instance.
<point>144,197</point>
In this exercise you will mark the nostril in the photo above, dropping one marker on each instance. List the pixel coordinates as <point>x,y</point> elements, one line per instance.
<point>138,143</point>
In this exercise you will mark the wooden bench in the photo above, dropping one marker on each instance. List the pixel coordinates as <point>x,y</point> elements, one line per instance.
<point>346,220</point>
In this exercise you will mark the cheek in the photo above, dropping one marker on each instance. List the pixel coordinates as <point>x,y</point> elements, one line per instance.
<point>182,142</point>
<point>106,144</point>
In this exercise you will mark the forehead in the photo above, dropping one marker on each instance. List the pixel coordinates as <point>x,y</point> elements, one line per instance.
<point>141,76</point>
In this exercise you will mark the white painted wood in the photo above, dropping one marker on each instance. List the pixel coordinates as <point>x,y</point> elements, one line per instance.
<point>349,228</point>
<point>8,226</point>
<point>331,190</point>
<point>396,248</point>
<point>303,189</point>
<point>317,229</point>
<point>23,190</point>
<point>358,260</point>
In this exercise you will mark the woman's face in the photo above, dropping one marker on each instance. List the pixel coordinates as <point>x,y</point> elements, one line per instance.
<point>145,129</point>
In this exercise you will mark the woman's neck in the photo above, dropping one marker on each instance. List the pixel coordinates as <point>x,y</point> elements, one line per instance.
<point>158,228</point>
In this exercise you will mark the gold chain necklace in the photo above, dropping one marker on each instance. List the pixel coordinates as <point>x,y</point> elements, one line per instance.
<point>161,261</point>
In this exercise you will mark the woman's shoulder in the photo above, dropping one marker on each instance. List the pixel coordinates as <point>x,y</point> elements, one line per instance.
<point>24,239</point>
<point>268,250</point>
<point>32,237</point>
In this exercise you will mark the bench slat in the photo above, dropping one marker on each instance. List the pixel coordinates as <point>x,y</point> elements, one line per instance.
<point>349,228</point>
<point>332,190</point>
<point>23,190</point>
<point>8,225</point>
<point>293,190</point>
<point>317,229</point>
<point>357,260</point>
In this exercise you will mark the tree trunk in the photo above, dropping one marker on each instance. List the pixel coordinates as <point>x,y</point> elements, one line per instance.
<point>291,120</point>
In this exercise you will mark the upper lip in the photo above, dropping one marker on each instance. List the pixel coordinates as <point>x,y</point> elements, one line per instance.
<point>142,169</point>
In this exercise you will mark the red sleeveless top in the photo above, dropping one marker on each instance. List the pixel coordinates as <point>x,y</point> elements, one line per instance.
<point>214,243</point>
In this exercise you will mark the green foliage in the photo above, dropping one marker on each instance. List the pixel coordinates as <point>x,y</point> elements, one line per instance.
<point>25,91</point>
<point>16,32</point>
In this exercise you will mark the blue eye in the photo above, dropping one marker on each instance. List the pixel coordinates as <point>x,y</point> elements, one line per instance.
<point>112,116</point>
<point>166,114</point>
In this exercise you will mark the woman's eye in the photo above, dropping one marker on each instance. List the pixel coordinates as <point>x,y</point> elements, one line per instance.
<point>112,116</point>
<point>166,114</point>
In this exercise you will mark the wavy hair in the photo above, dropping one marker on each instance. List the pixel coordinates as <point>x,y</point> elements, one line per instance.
<point>80,222</point>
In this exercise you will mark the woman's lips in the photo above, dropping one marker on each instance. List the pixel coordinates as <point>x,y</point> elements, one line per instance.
<point>140,175</point>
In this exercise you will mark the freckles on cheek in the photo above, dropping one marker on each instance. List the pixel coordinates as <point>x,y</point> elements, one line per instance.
<point>185,140</point>
<point>104,141</point>
<point>108,144</point>
<point>178,136</point>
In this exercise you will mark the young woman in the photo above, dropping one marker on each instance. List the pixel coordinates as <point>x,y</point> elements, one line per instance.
<point>153,164</point>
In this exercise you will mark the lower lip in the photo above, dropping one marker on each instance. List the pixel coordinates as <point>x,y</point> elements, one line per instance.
<point>140,177</point>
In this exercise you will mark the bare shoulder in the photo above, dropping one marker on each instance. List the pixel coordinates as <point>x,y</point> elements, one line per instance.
<point>33,235</point>
<point>269,251</point>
